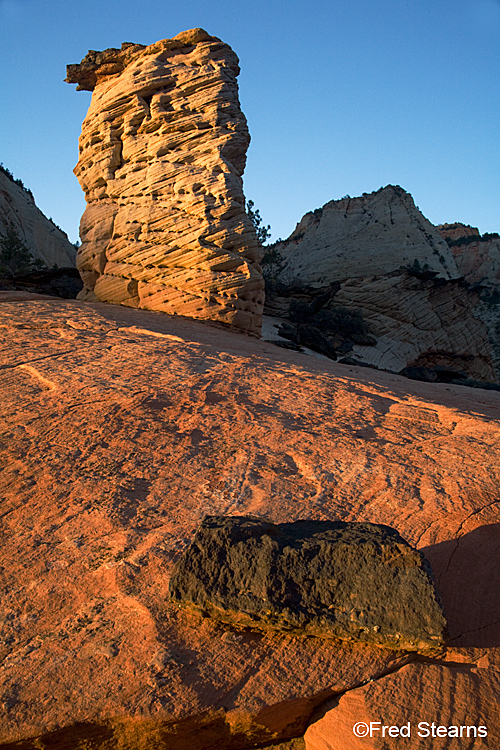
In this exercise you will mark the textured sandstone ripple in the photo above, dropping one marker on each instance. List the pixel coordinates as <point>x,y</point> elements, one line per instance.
<point>121,430</point>
<point>162,152</point>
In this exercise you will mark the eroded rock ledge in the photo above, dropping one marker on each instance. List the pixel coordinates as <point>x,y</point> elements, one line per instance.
<point>162,152</point>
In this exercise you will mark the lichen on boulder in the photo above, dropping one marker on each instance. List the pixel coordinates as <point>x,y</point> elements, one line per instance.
<point>333,579</point>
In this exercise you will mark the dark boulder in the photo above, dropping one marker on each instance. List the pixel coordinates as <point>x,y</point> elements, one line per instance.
<point>345,347</point>
<point>476,384</point>
<point>355,362</point>
<point>285,345</point>
<point>363,339</point>
<point>288,331</point>
<point>355,581</point>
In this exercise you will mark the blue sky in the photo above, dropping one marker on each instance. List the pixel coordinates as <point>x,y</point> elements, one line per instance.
<point>341,97</point>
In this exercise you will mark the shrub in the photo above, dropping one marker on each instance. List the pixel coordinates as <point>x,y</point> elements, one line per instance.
<point>472,238</point>
<point>273,264</point>
<point>11,177</point>
<point>462,240</point>
<point>342,320</point>
<point>339,320</point>
<point>491,297</point>
<point>299,311</point>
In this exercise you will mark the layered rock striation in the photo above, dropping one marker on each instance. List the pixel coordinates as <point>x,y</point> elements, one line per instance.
<point>162,153</point>
<point>478,260</point>
<point>420,322</point>
<point>477,256</point>
<point>372,234</point>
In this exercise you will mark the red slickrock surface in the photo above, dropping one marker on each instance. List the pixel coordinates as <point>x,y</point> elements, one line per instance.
<point>121,429</point>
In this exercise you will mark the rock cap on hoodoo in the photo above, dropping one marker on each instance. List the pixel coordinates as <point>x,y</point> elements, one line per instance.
<point>97,65</point>
<point>333,579</point>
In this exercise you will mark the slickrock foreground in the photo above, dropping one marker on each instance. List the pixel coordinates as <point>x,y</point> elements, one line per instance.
<point>162,152</point>
<point>121,430</point>
<point>359,582</point>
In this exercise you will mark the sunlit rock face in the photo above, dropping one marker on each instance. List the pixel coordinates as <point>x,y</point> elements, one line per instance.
<point>162,152</point>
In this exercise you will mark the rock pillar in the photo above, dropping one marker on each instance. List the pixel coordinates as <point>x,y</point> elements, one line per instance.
<point>162,153</point>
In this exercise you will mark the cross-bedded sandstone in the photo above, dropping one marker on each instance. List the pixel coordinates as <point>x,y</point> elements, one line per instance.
<point>162,152</point>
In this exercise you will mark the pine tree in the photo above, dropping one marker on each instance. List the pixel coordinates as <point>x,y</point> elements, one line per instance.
<point>15,257</point>
<point>263,233</point>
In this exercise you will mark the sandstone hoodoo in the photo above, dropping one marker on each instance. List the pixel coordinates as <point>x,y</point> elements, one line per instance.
<point>162,153</point>
<point>354,581</point>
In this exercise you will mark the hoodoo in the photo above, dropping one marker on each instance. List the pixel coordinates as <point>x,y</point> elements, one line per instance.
<point>162,153</point>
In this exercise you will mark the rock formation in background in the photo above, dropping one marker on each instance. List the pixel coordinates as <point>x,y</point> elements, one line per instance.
<point>478,260</point>
<point>370,235</point>
<point>162,153</point>
<point>477,256</point>
<point>46,242</point>
<point>359,582</point>
<point>378,258</point>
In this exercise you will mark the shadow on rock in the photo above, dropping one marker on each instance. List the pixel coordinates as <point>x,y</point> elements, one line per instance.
<point>467,572</point>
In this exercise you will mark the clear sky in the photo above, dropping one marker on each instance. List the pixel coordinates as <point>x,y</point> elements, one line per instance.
<point>341,96</point>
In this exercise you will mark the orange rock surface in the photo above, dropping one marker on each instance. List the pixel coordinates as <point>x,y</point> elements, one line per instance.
<point>121,430</point>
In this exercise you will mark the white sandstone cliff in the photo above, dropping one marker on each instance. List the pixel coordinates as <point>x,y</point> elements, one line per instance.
<point>43,239</point>
<point>379,255</point>
<point>374,234</point>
